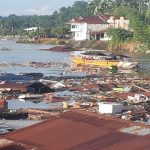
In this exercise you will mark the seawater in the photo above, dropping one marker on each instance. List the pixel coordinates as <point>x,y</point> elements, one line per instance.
<point>144,66</point>
<point>22,53</point>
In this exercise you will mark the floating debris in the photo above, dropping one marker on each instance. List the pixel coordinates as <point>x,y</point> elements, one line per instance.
<point>34,64</point>
<point>60,49</point>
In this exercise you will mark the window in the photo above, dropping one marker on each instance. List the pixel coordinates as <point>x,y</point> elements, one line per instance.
<point>102,35</point>
<point>74,26</point>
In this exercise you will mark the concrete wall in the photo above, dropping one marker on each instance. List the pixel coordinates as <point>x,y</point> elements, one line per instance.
<point>105,38</point>
<point>80,32</point>
<point>97,27</point>
<point>119,23</point>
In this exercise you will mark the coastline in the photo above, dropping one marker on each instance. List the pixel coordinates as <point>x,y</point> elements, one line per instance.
<point>131,47</point>
<point>128,48</point>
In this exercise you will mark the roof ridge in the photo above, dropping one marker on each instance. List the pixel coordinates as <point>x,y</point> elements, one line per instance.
<point>101,17</point>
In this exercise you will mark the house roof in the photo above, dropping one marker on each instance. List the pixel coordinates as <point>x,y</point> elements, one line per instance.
<point>106,17</point>
<point>93,19</point>
<point>89,20</point>
<point>15,86</point>
<point>24,86</point>
<point>76,130</point>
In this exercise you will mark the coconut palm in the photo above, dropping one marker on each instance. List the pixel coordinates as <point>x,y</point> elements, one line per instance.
<point>139,5</point>
<point>94,6</point>
<point>107,6</point>
<point>99,7</point>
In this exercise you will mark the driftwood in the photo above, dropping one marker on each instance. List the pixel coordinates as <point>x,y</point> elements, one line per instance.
<point>141,88</point>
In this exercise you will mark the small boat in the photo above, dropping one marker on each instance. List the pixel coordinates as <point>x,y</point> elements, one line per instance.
<point>103,59</point>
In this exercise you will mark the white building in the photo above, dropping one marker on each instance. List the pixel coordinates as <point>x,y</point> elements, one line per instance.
<point>95,27</point>
<point>32,29</point>
<point>110,108</point>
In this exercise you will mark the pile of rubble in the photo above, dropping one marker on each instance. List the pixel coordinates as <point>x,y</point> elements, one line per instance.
<point>128,95</point>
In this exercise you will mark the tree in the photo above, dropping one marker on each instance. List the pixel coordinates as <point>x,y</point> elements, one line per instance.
<point>60,30</point>
<point>18,23</point>
<point>100,7</point>
<point>125,11</point>
<point>118,37</point>
<point>139,5</point>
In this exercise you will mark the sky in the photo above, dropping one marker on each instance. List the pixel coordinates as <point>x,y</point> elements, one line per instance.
<point>32,7</point>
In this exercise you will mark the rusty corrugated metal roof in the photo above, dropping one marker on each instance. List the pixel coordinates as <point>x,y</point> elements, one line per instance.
<point>89,20</point>
<point>15,86</point>
<point>80,131</point>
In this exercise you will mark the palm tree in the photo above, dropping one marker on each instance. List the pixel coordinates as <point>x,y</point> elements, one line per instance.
<point>100,7</point>
<point>107,6</point>
<point>94,6</point>
<point>139,5</point>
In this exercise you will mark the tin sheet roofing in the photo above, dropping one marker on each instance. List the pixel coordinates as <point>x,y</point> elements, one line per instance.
<point>78,131</point>
<point>136,130</point>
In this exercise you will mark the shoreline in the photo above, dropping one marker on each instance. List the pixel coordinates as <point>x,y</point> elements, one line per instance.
<point>129,48</point>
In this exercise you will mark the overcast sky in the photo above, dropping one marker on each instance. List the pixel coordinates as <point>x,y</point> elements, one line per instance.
<point>30,7</point>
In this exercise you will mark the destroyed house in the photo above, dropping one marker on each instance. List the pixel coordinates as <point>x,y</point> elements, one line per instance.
<point>38,88</point>
<point>13,87</point>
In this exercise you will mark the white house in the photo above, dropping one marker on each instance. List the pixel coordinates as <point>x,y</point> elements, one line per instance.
<point>95,27</point>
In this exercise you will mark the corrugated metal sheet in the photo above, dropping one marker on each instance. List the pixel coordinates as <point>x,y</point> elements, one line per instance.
<point>136,130</point>
<point>80,131</point>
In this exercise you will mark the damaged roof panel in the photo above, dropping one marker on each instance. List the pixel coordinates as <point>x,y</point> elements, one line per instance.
<point>136,130</point>
<point>78,131</point>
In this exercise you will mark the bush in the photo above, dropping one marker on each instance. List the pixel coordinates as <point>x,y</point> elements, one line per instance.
<point>61,42</point>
